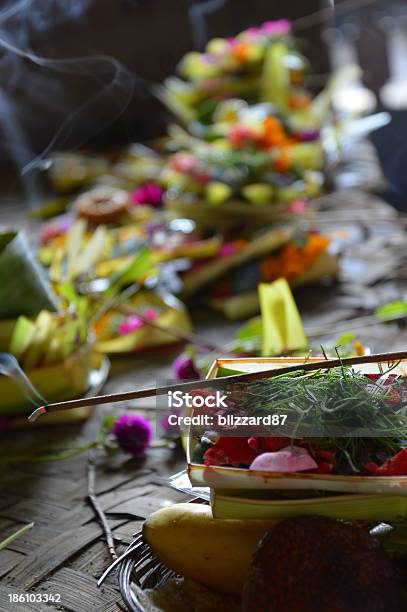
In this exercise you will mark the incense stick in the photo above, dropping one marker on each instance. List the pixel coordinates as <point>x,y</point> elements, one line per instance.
<point>213,382</point>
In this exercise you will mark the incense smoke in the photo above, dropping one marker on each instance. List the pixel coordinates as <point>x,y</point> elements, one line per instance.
<point>33,78</point>
<point>9,367</point>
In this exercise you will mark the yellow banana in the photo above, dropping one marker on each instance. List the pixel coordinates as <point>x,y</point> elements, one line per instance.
<point>214,552</point>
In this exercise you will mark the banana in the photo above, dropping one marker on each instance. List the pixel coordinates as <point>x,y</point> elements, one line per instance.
<point>214,552</point>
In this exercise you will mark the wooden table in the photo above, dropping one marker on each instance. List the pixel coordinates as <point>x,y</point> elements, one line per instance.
<point>65,552</point>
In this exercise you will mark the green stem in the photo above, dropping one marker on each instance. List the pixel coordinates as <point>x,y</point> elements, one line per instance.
<point>16,535</point>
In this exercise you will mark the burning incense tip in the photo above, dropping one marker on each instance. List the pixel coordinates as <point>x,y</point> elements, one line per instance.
<point>38,412</point>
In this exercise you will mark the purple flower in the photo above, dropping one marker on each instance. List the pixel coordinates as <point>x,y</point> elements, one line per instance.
<point>185,369</point>
<point>308,135</point>
<point>133,433</point>
<point>227,249</point>
<point>276,28</point>
<point>150,193</point>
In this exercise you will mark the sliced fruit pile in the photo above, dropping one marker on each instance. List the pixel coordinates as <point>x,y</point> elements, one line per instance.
<point>49,338</point>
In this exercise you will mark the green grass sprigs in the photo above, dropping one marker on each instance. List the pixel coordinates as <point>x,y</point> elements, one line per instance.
<point>363,419</point>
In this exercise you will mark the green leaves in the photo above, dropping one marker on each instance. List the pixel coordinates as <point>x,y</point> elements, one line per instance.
<point>249,337</point>
<point>221,372</point>
<point>138,267</point>
<point>130,275</point>
<point>6,238</point>
<point>344,344</point>
<point>392,310</point>
<point>81,306</point>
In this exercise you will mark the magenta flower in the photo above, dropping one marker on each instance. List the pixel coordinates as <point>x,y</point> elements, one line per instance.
<point>276,28</point>
<point>150,193</point>
<point>134,322</point>
<point>133,433</point>
<point>150,314</point>
<point>184,368</point>
<point>227,249</point>
<point>129,325</point>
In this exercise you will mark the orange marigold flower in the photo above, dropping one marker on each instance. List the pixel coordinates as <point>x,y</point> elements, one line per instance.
<point>292,261</point>
<point>273,133</point>
<point>358,348</point>
<point>240,51</point>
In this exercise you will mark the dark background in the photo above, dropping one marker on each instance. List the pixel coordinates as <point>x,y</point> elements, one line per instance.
<point>62,100</point>
<point>147,38</point>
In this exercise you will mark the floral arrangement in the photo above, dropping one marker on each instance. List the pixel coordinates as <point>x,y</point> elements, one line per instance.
<point>259,64</point>
<point>256,157</point>
<point>231,55</point>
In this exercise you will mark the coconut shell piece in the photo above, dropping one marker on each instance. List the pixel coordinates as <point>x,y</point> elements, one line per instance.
<point>316,564</point>
<point>102,205</point>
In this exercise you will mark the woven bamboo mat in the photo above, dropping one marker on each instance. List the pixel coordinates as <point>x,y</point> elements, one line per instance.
<point>65,552</point>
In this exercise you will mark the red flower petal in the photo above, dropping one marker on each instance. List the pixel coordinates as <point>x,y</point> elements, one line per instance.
<point>371,467</point>
<point>323,468</point>
<point>396,466</point>
<point>230,450</point>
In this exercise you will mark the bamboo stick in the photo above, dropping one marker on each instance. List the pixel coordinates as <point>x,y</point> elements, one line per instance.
<point>198,384</point>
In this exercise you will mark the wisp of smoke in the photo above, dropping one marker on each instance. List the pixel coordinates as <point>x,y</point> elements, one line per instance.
<point>10,367</point>
<point>116,84</point>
